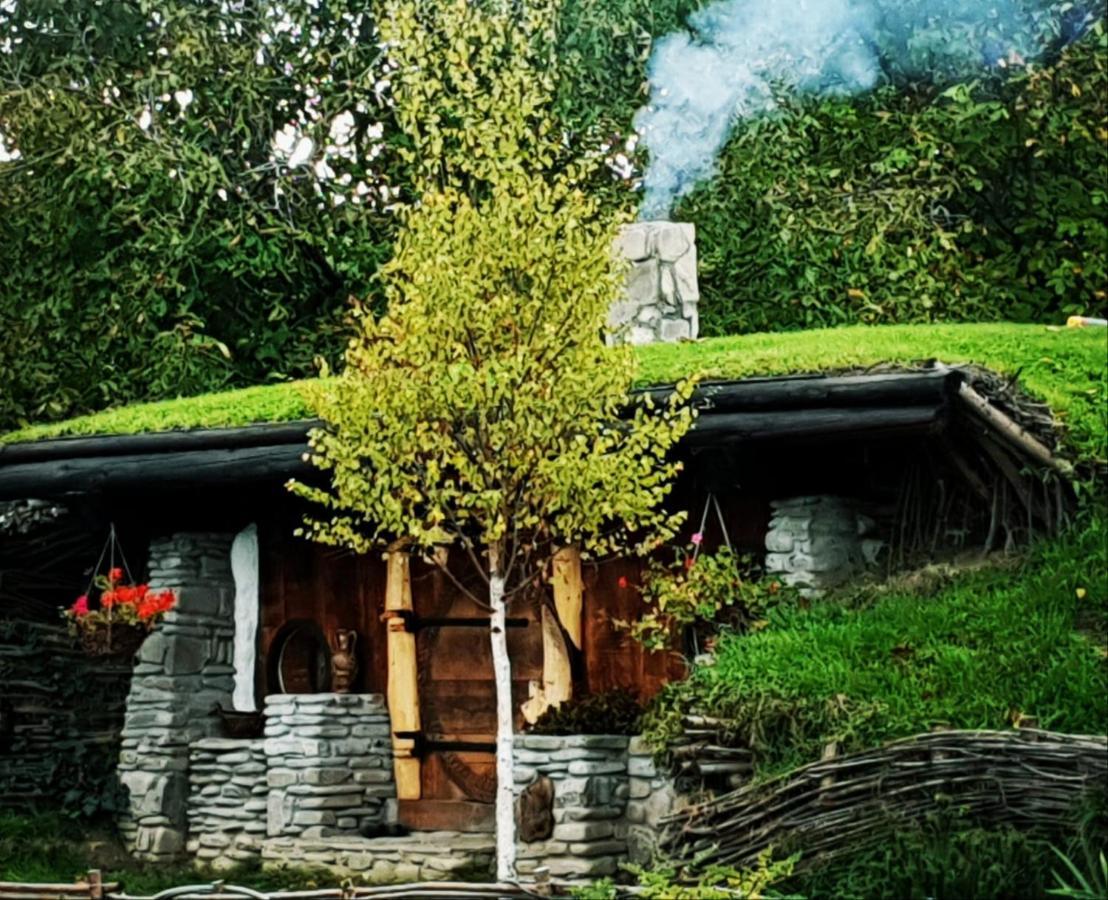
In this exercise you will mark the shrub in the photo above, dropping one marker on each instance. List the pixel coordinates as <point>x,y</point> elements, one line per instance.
<point>986,650</point>
<point>611,712</point>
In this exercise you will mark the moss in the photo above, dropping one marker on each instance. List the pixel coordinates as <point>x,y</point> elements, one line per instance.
<point>1064,367</point>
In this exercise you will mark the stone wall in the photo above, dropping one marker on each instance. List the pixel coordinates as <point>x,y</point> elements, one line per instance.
<point>651,795</point>
<point>329,759</point>
<point>227,801</point>
<point>660,302</point>
<point>422,856</point>
<point>589,774</point>
<point>818,542</point>
<point>183,669</point>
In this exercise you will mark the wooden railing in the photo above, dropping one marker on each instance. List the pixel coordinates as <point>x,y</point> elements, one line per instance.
<point>92,887</point>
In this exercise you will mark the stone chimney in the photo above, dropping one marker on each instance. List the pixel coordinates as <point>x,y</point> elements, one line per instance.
<point>661,297</point>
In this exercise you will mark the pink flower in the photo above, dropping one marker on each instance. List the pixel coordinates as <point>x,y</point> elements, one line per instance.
<point>697,538</point>
<point>80,606</point>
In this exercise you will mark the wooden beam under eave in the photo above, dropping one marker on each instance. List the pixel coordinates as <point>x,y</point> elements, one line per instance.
<point>403,682</point>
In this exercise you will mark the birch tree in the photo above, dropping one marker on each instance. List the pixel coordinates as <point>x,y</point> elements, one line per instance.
<point>483,412</point>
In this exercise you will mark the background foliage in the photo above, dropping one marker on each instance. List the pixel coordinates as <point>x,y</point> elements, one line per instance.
<point>981,201</point>
<point>183,257</point>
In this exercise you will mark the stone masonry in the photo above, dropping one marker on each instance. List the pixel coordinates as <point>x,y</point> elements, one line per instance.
<point>816,543</point>
<point>329,760</point>
<point>590,778</point>
<point>651,795</point>
<point>227,801</point>
<point>421,856</point>
<point>660,302</point>
<point>182,670</point>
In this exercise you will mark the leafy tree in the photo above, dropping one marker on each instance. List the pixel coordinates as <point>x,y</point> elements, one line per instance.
<point>483,412</point>
<point>189,194</point>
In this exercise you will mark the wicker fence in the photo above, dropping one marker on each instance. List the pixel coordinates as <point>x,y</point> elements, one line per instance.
<point>1021,778</point>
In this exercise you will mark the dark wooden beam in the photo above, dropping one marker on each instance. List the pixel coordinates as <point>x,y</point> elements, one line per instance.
<point>261,435</point>
<point>808,424</point>
<point>153,470</point>
<point>929,387</point>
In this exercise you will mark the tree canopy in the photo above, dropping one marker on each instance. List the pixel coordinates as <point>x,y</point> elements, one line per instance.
<point>195,196</point>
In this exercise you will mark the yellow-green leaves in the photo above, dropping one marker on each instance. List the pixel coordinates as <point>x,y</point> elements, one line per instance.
<point>485,407</point>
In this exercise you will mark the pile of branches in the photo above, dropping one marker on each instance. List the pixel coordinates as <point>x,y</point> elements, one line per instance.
<point>1024,777</point>
<point>705,750</point>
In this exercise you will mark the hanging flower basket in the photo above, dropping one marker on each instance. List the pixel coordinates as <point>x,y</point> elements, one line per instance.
<point>122,641</point>
<point>125,613</point>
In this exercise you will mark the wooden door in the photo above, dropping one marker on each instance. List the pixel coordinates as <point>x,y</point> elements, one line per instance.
<point>457,698</point>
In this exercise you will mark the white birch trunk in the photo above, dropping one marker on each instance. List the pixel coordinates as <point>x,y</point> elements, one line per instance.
<point>502,672</point>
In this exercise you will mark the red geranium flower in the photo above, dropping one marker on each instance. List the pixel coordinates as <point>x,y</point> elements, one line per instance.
<point>115,575</point>
<point>80,606</point>
<point>622,581</point>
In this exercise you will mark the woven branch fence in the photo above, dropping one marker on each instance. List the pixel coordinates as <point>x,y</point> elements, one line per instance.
<point>1025,777</point>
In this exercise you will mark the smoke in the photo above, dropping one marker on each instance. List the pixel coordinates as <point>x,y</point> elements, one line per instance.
<point>740,51</point>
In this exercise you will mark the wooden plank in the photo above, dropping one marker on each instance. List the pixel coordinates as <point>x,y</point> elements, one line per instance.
<point>568,590</point>
<point>466,816</point>
<point>557,675</point>
<point>403,686</point>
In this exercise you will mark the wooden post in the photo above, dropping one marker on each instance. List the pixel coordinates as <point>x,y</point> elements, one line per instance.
<point>403,687</point>
<point>568,591</point>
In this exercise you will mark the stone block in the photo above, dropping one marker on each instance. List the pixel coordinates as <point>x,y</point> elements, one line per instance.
<point>594,867</point>
<point>599,848</point>
<point>583,831</point>
<point>672,240</point>
<point>641,767</point>
<point>632,242</point>
<point>675,330</point>
<point>185,656</point>
<point>599,767</point>
<point>313,817</point>
<point>327,776</point>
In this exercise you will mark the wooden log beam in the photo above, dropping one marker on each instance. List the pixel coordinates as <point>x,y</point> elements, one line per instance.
<point>261,435</point>
<point>930,387</point>
<point>152,470</point>
<point>1009,431</point>
<point>403,677</point>
<point>848,424</point>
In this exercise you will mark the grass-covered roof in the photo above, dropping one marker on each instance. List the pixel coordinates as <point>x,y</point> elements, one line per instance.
<point>1064,367</point>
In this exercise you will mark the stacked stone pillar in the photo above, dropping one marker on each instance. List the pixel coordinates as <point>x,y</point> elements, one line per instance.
<point>329,759</point>
<point>816,543</point>
<point>227,801</point>
<point>183,669</point>
<point>589,775</point>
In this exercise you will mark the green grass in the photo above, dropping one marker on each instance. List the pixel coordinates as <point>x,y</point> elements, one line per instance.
<point>1064,367</point>
<point>875,666</point>
<point>54,849</point>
